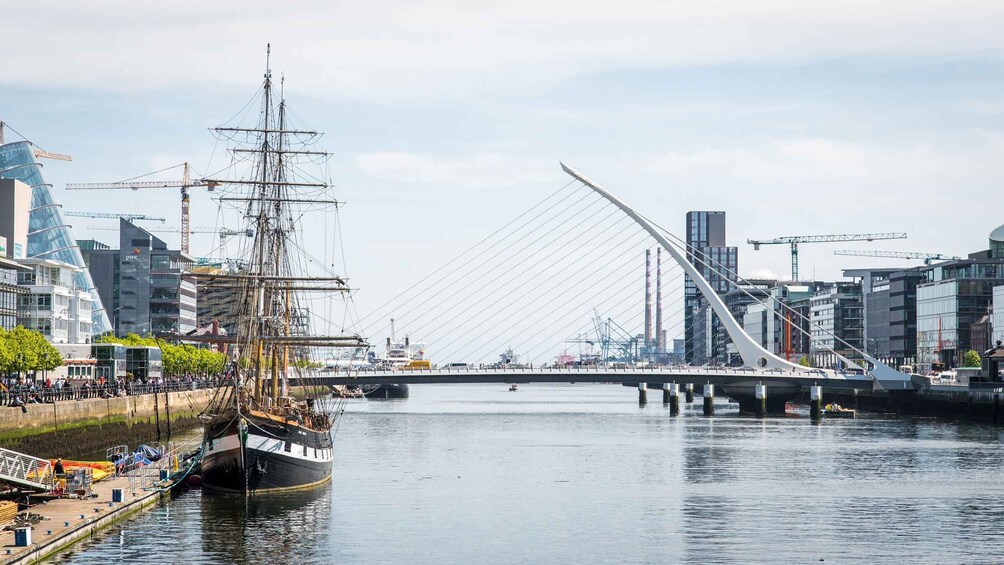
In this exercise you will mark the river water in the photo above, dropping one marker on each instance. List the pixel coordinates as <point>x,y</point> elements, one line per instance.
<point>582,474</point>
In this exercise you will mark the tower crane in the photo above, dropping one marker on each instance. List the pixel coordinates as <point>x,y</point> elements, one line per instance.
<point>184,184</point>
<point>794,240</point>
<point>926,257</point>
<point>109,216</point>
<point>224,233</point>
<point>38,151</point>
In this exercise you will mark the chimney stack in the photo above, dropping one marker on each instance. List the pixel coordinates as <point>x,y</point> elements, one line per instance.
<point>648,297</point>
<point>660,346</point>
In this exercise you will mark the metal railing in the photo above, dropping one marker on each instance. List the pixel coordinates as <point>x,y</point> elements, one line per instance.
<point>598,369</point>
<point>147,476</point>
<point>25,395</point>
<point>25,470</point>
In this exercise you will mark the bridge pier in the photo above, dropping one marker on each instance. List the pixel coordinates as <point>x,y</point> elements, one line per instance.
<point>816,403</point>
<point>674,398</point>
<point>642,394</point>
<point>690,393</point>
<point>772,404</point>
<point>665,393</point>
<point>709,400</point>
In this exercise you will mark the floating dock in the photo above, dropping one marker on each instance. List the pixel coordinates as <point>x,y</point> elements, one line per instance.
<point>67,521</point>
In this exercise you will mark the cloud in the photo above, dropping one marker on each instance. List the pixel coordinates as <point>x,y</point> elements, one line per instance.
<point>830,161</point>
<point>482,171</point>
<point>406,51</point>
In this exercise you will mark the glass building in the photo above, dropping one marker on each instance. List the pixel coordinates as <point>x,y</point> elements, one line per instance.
<point>718,264</point>
<point>48,235</point>
<point>957,295</point>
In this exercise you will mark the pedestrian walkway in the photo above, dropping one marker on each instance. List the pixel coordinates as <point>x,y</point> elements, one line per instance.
<point>68,520</point>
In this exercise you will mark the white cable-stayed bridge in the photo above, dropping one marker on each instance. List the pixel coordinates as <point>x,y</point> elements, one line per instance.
<point>534,284</point>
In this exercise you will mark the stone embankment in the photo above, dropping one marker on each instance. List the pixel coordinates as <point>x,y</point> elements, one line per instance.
<point>74,428</point>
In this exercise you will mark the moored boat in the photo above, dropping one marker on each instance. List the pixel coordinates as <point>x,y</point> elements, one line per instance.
<point>257,437</point>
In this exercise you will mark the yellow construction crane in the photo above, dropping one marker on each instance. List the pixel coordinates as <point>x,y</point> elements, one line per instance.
<point>184,184</point>
<point>794,240</point>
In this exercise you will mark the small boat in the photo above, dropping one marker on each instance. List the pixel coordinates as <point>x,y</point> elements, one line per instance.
<point>834,410</point>
<point>513,388</point>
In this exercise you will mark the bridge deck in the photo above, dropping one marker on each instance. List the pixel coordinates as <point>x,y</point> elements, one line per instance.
<point>654,377</point>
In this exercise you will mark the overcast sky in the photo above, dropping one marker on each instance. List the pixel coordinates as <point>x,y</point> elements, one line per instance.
<point>447,119</point>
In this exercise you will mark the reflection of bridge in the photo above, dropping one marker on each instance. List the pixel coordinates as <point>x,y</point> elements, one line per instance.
<point>477,303</point>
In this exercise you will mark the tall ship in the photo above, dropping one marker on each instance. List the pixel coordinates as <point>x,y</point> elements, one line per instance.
<point>257,437</point>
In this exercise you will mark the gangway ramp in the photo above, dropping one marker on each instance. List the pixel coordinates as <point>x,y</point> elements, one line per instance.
<point>25,470</point>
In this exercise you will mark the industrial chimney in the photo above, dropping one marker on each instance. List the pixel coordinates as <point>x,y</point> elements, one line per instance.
<point>648,297</point>
<point>659,346</point>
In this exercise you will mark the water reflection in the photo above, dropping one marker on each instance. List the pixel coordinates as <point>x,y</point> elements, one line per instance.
<point>266,528</point>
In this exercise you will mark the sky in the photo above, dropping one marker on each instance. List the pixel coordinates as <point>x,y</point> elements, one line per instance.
<point>446,119</point>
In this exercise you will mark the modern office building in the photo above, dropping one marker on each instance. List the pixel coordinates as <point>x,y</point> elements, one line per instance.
<point>956,295</point>
<point>878,323</point>
<point>53,305</point>
<point>15,206</point>
<point>997,316</point>
<point>145,364</point>
<point>780,324</point>
<point>903,315</point>
<point>144,283</point>
<point>49,237</point>
<point>10,292</point>
<point>876,300</point>
<point>837,319</point>
<point>718,264</point>
<point>217,303</point>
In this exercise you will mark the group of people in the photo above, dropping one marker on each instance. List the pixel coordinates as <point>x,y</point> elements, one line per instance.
<point>20,394</point>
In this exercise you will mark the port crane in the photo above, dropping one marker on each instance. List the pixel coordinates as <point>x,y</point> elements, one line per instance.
<point>184,184</point>
<point>110,216</point>
<point>927,258</point>
<point>794,240</point>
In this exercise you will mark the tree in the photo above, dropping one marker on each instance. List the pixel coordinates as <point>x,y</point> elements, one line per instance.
<point>972,359</point>
<point>26,351</point>
<point>804,361</point>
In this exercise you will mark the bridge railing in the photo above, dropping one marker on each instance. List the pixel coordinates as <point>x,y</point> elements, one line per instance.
<point>572,370</point>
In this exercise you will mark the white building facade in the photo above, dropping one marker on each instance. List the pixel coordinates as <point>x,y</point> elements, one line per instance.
<point>54,306</point>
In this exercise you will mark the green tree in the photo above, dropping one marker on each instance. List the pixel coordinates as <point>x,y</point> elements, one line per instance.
<point>972,359</point>
<point>804,361</point>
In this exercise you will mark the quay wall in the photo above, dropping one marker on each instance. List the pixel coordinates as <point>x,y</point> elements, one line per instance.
<point>74,428</point>
<point>973,406</point>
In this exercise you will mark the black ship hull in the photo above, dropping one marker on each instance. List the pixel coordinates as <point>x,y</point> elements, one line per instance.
<point>382,392</point>
<point>255,453</point>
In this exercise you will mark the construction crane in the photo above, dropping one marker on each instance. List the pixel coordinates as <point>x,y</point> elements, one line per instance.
<point>224,233</point>
<point>108,216</point>
<point>794,240</point>
<point>184,184</point>
<point>926,257</point>
<point>38,151</point>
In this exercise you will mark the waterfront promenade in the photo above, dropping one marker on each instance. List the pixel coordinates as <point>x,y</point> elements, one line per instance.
<point>66,521</point>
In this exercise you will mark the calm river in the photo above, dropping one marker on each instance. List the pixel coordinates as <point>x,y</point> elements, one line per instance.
<point>582,474</point>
